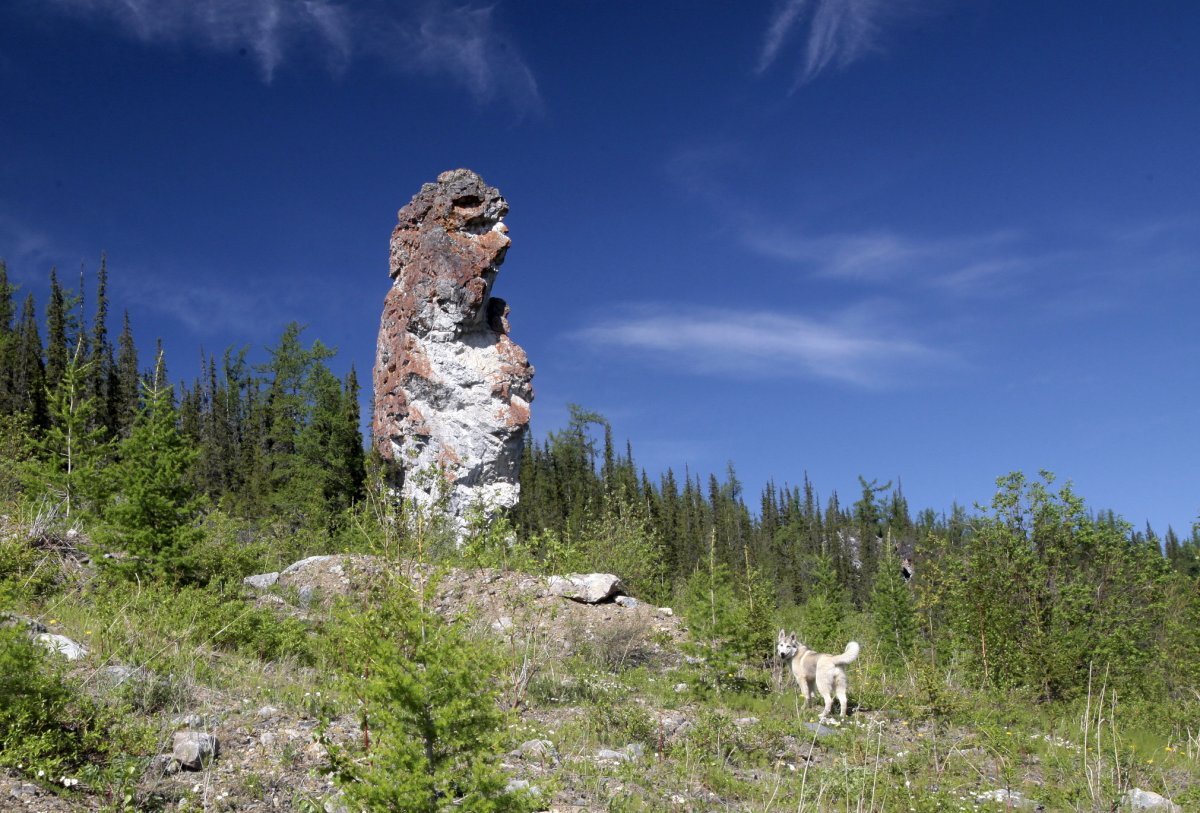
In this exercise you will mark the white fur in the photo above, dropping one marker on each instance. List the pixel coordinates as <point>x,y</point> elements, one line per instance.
<point>817,669</point>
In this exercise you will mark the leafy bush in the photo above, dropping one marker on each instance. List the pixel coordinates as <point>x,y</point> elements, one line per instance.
<point>25,574</point>
<point>621,724</point>
<point>47,724</point>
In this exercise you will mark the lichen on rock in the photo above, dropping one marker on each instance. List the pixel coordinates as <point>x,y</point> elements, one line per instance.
<point>452,390</point>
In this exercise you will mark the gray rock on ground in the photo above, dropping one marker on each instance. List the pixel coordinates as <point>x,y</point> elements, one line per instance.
<point>1138,799</point>
<point>820,730</point>
<point>31,625</point>
<point>261,581</point>
<point>193,750</point>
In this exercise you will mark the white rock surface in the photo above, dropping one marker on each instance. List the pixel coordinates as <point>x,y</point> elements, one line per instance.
<point>589,588</point>
<point>71,650</point>
<point>304,564</point>
<point>261,581</point>
<point>1138,799</point>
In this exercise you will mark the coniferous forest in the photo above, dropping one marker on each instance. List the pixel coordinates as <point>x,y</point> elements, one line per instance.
<point>135,505</point>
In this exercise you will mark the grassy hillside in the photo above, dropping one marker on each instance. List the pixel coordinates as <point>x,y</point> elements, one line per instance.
<point>591,707</point>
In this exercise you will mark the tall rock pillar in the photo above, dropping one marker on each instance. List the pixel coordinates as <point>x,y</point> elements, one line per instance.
<point>452,390</point>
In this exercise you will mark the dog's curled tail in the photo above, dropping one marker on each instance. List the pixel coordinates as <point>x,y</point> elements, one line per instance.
<point>848,656</point>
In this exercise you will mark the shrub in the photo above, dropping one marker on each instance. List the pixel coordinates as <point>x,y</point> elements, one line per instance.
<point>47,724</point>
<point>25,573</point>
<point>430,716</point>
<point>616,646</point>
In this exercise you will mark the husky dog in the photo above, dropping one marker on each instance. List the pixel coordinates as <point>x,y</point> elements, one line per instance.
<point>817,669</point>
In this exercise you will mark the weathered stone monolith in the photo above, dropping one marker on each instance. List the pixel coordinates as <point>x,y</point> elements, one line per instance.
<point>452,390</point>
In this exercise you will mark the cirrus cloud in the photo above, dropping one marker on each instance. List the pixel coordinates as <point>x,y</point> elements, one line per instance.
<point>465,44</point>
<point>854,347</point>
<point>840,32</point>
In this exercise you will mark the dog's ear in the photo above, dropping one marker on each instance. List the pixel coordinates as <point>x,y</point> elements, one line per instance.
<point>782,635</point>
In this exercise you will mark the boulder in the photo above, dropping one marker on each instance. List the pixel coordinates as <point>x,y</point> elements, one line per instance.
<point>71,650</point>
<point>261,581</point>
<point>1138,799</point>
<point>588,588</point>
<point>193,750</point>
<point>306,564</point>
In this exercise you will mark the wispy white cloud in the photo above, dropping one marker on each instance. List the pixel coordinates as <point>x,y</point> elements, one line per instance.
<point>269,29</point>
<point>465,44</point>
<point>460,42</point>
<point>851,348</point>
<point>839,31</point>
<point>961,264</point>
<point>249,312</point>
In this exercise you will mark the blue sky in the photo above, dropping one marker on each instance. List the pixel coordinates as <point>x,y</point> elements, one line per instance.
<point>919,239</point>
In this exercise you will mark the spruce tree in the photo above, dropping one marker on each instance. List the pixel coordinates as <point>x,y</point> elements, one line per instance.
<point>154,519</point>
<point>295,484</point>
<point>325,443</point>
<point>893,611</point>
<point>8,343</point>
<point>430,716</point>
<point>58,348</point>
<point>825,608</point>
<point>350,453</point>
<point>101,352</point>
<point>73,446</point>
<point>126,394</point>
<point>28,374</point>
<point>7,309</point>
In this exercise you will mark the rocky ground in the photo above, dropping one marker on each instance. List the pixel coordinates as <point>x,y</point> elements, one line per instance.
<point>605,719</point>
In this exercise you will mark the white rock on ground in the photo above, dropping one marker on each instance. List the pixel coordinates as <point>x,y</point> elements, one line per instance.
<point>261,581</point>
<point>71,650</point>
<point>1139,799</point>
<point>589,588</point>
<point>1010,798</point>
